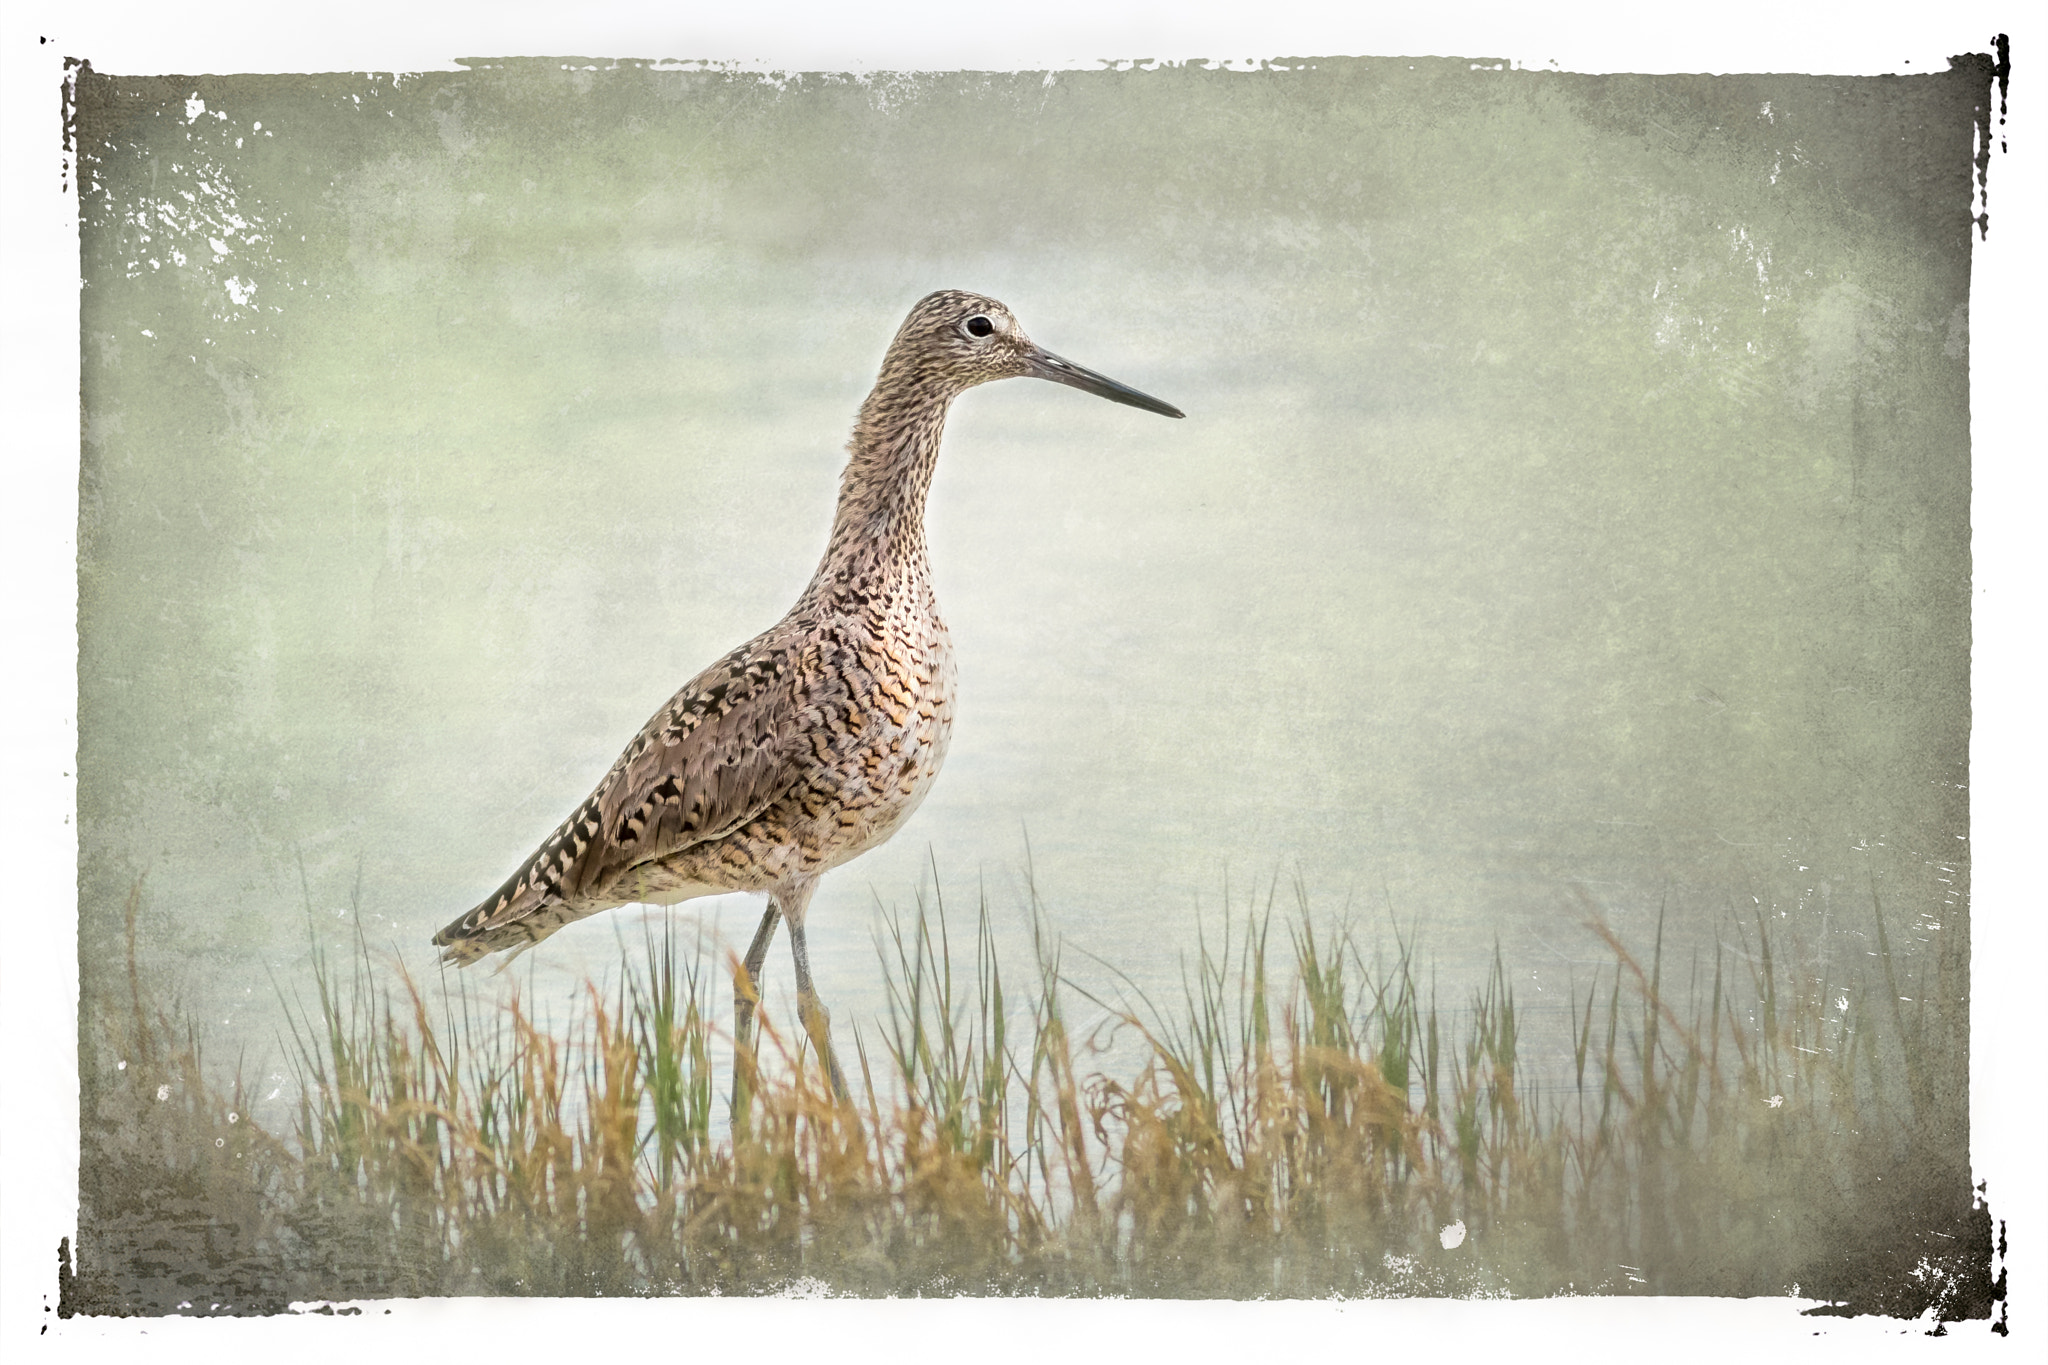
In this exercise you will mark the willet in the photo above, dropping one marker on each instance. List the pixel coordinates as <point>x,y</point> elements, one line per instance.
<point>814,741</point>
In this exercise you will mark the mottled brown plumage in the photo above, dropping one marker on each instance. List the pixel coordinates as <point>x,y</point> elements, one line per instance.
<point>814,741</point>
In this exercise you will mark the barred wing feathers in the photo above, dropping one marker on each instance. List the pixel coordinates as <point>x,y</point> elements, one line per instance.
<point>707,763</point>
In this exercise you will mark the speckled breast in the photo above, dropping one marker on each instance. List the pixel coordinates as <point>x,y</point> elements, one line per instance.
<point>900,748</point>
<point>874,713</point>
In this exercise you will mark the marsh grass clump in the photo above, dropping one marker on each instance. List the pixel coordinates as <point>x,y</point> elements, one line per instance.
<point>180,1192</point>
<point>1303,1121</point>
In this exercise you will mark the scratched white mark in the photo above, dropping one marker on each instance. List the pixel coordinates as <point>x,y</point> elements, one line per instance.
<point>193,219</point>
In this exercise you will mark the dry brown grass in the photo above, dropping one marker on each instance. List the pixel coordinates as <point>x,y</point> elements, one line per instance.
<point>1306,1132</point>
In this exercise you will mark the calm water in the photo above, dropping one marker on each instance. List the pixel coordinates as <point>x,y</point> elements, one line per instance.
<point>1572,506</point>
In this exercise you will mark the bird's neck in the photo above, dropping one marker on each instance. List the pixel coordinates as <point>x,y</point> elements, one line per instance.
<point>878,531</point>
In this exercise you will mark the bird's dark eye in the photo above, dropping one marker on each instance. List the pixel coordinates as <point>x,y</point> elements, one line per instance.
<point>979,326</point>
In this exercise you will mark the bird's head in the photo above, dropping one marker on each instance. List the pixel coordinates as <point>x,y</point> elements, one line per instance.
<point>953,340</point>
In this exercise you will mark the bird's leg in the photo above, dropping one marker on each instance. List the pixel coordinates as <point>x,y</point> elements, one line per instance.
<point>817,1020</point>
<point>746,990</point>
<point>746,997</point>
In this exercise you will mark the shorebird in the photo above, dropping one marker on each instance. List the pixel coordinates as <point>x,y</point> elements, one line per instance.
<point>814,741</point>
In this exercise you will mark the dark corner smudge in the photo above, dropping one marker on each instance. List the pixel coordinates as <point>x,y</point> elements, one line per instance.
<point>67,1281</point>
<point>1997,69</point>
<point>1957,1275</point>
<point>1999,1262</point>
<point>67,96</point>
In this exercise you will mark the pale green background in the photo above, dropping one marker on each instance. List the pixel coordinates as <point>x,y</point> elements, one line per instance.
<point>1573,494</point>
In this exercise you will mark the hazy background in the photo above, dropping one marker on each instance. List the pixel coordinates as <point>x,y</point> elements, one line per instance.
<point>1574,494</point>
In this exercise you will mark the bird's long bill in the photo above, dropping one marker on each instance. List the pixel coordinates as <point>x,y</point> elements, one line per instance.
<point>1046,365</point>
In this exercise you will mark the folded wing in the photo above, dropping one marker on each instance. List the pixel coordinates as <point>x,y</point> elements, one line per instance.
<point>704,765</point>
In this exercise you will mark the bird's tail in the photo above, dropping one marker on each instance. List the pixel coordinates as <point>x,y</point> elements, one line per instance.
<point>475,936</point>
